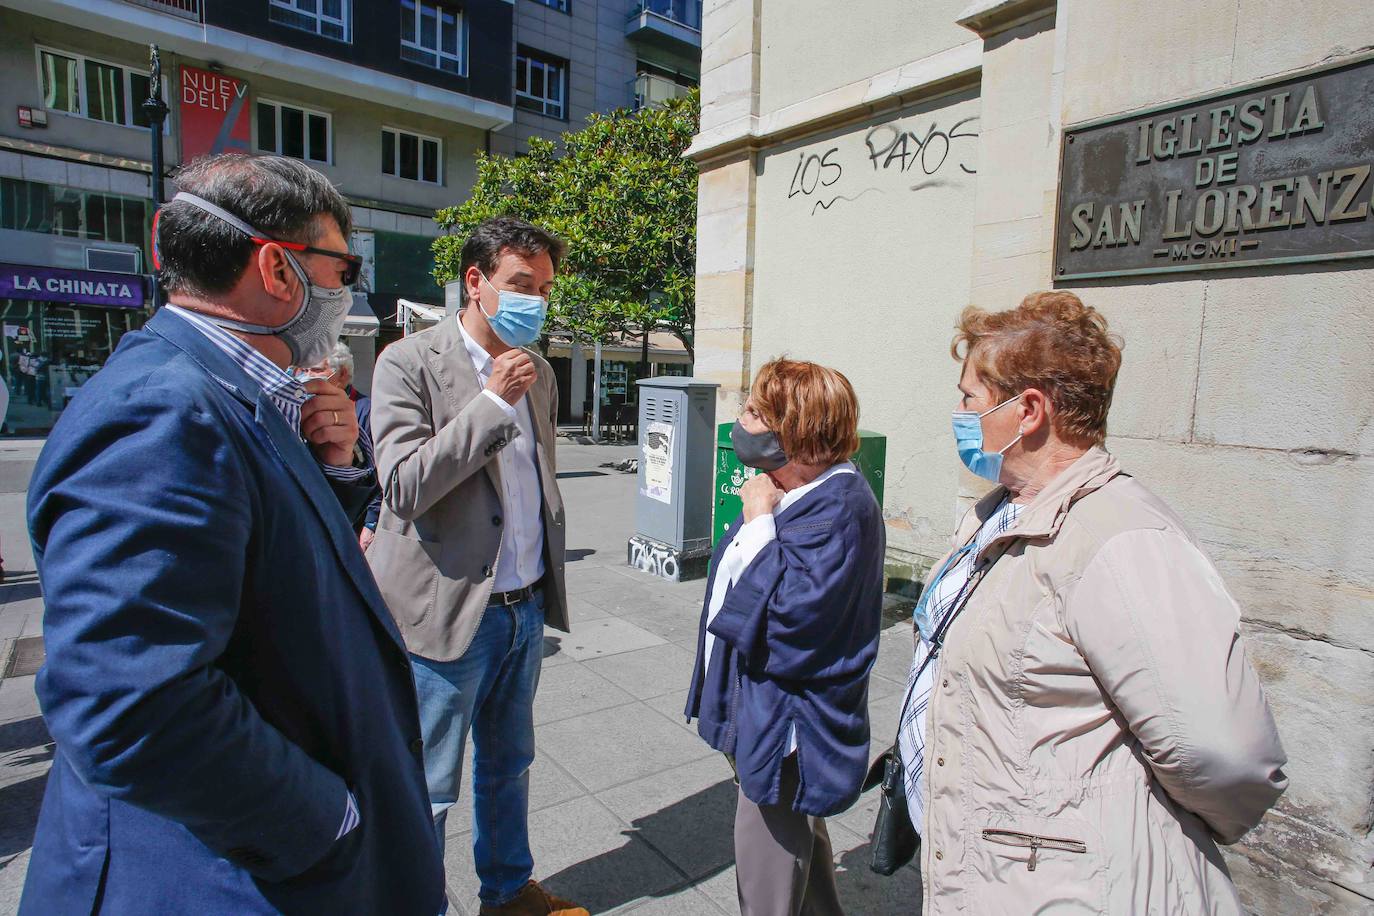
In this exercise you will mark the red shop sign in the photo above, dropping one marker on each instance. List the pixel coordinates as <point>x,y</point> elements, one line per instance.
<point>214,114</point>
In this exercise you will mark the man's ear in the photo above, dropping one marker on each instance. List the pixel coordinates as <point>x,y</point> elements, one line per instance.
<point>472,283</point>
<point>278,279</point>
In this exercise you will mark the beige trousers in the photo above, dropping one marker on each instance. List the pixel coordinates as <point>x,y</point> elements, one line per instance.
<point>783,862</point>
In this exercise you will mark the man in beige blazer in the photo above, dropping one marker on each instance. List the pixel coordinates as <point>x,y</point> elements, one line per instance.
<point>469,546</point>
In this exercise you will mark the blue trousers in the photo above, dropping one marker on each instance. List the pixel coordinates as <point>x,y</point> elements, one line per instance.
<point>488,690</point>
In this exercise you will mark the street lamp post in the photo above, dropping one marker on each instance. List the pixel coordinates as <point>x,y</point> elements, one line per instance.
<point>156,111</point>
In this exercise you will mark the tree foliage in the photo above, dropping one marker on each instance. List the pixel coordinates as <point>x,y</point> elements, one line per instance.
<point>623,197</point>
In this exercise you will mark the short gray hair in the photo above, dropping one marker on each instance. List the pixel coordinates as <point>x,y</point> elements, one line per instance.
<point>341,357</point>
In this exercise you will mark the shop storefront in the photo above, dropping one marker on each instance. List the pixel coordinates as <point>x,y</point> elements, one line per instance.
<point>59,328</point>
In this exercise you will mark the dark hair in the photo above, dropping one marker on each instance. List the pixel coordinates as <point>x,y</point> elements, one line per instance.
<point>483,248</point>
<point>203,255</point>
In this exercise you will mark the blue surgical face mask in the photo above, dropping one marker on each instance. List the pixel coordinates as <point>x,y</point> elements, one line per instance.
<point>968,438</point>
<point>519,317</point>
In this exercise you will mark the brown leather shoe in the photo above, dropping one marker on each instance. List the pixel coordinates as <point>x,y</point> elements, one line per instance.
<point>533,900</point>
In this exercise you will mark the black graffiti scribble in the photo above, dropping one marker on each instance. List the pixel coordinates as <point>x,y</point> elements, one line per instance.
<point>824,167</point>
<point>890,146</point>
<point>827,204</point>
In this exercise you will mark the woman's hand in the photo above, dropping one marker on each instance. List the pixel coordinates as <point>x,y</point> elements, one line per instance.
<point>760,495</point>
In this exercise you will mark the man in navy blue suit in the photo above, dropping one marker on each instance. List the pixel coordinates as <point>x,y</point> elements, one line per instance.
<point>233,708</point>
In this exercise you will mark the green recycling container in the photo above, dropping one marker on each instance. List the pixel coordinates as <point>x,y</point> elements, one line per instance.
<point>871,459</point>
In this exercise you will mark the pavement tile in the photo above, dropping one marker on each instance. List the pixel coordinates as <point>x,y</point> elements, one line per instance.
<point>573,690</point>
<point>670,706</point>
<point>582,852</point>
<point>607,637</point>
<point>12,871</point>
<point>864,891</point>
<point>678,624</point>
<point>588,577</point>
<point>686,813</point>
<point>581,610</point>
<point>882,718</point>
<point>895,649</point>
<point>684,901</point>
<point>17,699</point>
<point>553,648</point>
<point>25,750</point>
<point>634,596</point>
<point>879,687</point>
<point>614,746</point>
<point>647,673</point>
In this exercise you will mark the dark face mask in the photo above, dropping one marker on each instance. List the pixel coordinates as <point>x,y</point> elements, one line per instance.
<point>757,450</point>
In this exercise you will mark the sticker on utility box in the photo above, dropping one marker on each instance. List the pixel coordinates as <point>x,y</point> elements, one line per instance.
<point>658,461</point>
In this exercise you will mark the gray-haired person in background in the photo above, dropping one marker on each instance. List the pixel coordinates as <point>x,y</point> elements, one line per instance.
<point>337,369</point>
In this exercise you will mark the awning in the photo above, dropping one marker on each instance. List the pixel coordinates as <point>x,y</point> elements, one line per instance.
<point>361,322</point>
<point>416,316</point>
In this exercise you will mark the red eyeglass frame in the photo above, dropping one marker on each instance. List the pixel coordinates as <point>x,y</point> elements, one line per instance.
<point>350,275</point>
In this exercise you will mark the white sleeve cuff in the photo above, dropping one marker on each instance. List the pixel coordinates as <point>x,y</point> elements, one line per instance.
<point>510,411</point>
<point>753,537</point>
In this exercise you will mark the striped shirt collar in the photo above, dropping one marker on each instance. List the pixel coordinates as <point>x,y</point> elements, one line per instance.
<point>281,389</point>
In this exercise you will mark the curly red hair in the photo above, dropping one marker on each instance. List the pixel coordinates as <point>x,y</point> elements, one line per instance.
<point>1051,342</point>
<point>811,408</point>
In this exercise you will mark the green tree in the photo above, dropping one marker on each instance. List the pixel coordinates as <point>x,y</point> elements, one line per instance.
<point>624,198</point>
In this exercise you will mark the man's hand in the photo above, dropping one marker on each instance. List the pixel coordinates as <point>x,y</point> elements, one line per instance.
<point>329,424</point>
<point>512,374</point>
<point>760,495</point>
<point>365,539</point>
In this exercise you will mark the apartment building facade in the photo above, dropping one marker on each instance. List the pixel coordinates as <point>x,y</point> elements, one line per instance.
<point>392,101</point>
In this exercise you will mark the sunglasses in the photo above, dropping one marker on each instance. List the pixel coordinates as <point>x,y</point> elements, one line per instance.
<point>353,264</point>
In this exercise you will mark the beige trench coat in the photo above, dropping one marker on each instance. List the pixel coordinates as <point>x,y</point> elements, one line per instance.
<point>437,441</point>
<point>1095,727</point>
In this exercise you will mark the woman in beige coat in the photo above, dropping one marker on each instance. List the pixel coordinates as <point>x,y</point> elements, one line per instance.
<point>1089,728</point>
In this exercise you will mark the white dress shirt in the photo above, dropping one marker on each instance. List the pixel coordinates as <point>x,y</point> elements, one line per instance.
<point>749,541</point>
<point>521,562</point>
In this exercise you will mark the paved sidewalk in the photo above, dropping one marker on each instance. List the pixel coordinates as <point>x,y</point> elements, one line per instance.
<point>630,810</point>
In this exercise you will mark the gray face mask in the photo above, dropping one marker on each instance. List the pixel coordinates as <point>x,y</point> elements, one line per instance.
<point>757,450</point>
<point>311,333</point>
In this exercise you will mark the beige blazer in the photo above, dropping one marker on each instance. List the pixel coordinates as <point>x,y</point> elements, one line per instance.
<point>1096,727</point>
<point>438,540</point>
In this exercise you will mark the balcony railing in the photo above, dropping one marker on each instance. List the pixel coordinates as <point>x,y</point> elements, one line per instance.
<point>185,9</point>
<point>683,12</point>
<point>651,89</point>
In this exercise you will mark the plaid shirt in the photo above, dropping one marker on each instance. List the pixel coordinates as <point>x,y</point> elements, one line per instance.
<point>937,601</point>
<point>281,388</point>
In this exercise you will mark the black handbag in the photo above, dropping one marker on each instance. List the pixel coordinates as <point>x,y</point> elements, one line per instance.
<point>895,840</point>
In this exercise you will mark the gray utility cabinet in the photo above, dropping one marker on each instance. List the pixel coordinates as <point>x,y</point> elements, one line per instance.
<point>677,441</point>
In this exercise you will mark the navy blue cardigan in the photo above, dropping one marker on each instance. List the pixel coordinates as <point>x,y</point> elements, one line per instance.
<point>796,639</point>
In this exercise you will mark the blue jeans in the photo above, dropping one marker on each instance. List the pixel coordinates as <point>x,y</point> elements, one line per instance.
<point>489,690</point>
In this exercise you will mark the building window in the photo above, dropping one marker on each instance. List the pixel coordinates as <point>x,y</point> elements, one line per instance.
<point>433,34</point>
<point>31,206</point>
<point>88,88</point>
<point>541,82</point>
<point>411,156</point>
<point>560,5</point>
<point>296,132</point>
<point>321,17</point>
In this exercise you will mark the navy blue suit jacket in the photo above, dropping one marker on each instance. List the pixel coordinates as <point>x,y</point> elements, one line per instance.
<point>797,637</point>
<point>221,669</point>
